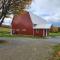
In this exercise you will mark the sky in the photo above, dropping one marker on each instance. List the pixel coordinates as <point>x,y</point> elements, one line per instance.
<point>48,9</point>
<point>7,21</point>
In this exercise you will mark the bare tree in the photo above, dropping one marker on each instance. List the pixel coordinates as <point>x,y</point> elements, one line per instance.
<point>13,6</point>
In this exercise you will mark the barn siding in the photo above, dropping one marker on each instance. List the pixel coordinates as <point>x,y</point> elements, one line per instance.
<point>39,33</point>
<point>22,24</point>
<point>42,32</point>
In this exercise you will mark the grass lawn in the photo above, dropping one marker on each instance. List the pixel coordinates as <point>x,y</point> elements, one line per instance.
<point>56,52</point>
<point>54,34</point>
<point>5,32</point>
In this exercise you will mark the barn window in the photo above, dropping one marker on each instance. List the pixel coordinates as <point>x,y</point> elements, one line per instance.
<point>23,29</point>
<point>34,24</point>
<point>17,29</point>
<point>37,30</point>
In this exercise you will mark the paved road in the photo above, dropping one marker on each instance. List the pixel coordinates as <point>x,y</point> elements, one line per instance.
<point>27,48</point>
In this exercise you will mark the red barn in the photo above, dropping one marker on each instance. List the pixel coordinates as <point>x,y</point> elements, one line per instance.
<point>28,23</point>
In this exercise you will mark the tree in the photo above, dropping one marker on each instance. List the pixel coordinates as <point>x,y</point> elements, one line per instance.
<point>12,6</point>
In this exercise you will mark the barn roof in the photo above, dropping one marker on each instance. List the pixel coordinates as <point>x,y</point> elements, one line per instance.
<point>36,19</point>
<point>38,22</point>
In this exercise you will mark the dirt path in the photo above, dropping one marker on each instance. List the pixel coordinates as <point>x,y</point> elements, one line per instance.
<point>25,49</point>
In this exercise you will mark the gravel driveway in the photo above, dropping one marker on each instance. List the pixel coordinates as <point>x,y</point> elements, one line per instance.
<point>26,48</point>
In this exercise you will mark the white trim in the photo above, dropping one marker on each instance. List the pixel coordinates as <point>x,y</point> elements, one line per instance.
<point>43,32</point>
<point>46,32</point>
<point>33,32</point>
<point>10,31</point>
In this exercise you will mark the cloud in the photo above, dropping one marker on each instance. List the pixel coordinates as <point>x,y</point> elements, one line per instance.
<point>51,19</point>
<point>49,5</point>
<point>46,7</point>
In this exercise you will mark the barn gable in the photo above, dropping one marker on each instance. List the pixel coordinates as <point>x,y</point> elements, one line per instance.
<point>38,22</point>
<point>36,19</point>
<point>22,24</point>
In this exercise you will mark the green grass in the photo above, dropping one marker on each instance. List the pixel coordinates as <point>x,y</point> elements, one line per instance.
<point>5,32</point>
<point>54,34</point>
<point>55,55</point>
<point>56,48</point>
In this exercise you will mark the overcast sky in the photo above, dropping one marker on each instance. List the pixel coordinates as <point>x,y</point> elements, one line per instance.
<point>49,9</point>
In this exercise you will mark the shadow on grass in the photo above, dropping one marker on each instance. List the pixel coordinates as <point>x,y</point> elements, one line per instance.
<point>4,42</point>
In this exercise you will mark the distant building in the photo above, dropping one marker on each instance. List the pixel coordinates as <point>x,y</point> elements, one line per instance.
<point>29,24</point>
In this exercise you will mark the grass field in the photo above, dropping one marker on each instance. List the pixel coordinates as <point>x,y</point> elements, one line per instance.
<point>56,52</point>
<point>5,32</point>
<point>4,29</point>
<point>54,34</point>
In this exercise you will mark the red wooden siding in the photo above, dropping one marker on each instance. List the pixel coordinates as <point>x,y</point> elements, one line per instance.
<point>39,32</point>
<point>22,24</point>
